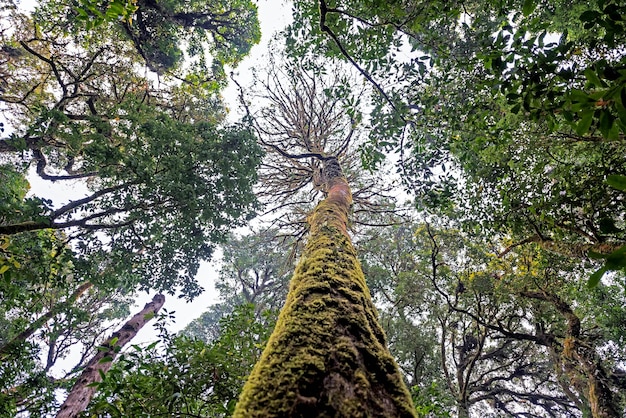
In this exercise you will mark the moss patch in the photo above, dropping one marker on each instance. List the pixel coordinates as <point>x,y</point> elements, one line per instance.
<point>327,356</point>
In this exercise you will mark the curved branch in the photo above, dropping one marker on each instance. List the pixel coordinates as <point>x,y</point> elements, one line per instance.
<point>41,166</point>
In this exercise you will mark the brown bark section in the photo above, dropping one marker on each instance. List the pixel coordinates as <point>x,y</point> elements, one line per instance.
<point>81,393</point>
<point>327,355</point>
<point>39,322</point>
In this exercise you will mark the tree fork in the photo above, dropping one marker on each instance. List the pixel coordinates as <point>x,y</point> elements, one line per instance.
<point>327,356</point>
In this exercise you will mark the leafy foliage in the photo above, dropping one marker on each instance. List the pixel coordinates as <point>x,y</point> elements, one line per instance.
<point>471,328</point>
<point>167,178</point>
<point>508,122</point>
<point>211,35</point>
<point>256,270</point>
<point>187,376</point>
<point>163,177</point>
<point>505,116</point>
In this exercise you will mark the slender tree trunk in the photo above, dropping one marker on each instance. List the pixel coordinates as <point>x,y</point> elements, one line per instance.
<point>82,392</point>
<point>327,356</point>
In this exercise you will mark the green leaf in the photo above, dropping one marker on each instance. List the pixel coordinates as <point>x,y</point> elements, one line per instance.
<point>579,96</point>
<point>607,226</point>
<point>529,7</point>
<point>589,16</point>
<point>594,279</point>
<point>620,106</point>
<point>617,259</point>
<point>117,7</point>
<point>593,77</point>
<point>606,123</point>
<point>596,256</point>
<point>106,359</point>
<point>617,181</point>
<point>615,262</point>
<point>585,122</point>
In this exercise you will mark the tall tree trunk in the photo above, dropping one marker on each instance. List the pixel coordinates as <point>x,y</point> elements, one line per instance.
<point>327,356</point>
<point>82,392</point>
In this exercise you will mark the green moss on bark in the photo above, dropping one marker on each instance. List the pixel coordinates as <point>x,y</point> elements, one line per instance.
<point>327,356</point>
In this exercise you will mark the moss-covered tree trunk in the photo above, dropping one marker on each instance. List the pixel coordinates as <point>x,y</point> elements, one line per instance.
<point>327,356</point>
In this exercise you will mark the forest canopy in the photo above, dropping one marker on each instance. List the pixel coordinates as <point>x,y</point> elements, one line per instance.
<point>483,144</point>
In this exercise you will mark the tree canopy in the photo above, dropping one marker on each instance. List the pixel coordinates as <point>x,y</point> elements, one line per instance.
<point>123,102</point>
<point>500,290</point>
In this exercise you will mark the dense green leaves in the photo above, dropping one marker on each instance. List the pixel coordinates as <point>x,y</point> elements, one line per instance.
<point>166,178</point>
<point>206,36</point>
<point>505,116</point>
<point>159,178</point>
<point>508,122</point>
<point>185,375</point>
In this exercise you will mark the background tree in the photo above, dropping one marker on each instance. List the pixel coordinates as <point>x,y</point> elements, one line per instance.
<point>408,308</point>
<point>453,362</point>
<point>530,299</point>
<point>255,270</point>
<point>490,330</point>
<point>467,111</point>
<point>164,177</point>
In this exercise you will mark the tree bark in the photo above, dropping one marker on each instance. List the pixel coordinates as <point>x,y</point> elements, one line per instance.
<point>327,356</point>
<point>81,393</point>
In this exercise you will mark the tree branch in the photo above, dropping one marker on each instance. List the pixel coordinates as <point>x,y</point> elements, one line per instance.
<point>324,28</point>
<point>39,322</point>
